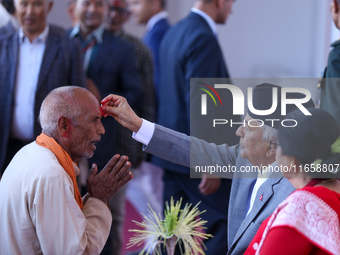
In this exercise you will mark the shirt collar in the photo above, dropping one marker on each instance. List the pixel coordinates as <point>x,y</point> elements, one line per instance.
<point>207,18</point>
<point>155,18</point>
<point>97,33</point>
<point>274,167</point>
<point>42,37</point>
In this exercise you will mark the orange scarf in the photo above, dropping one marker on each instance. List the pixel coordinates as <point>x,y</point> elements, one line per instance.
<point>64,160</point>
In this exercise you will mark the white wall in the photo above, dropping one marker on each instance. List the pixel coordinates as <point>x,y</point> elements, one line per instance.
<point>262,38</point>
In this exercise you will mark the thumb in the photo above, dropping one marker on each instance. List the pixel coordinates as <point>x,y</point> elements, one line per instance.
<point>202,183</point>
<point>93,172</point>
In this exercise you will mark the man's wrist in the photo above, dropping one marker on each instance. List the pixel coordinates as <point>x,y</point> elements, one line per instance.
<point>145,132</point>
<point>139,123</point>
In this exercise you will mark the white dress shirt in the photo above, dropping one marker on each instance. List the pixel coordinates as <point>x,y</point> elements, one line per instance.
<point>261,178</point>
<point>155,18</point>
<point>29,63</point>
<point>207,18</point>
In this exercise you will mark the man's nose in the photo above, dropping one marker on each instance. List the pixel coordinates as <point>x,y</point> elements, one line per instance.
<point>29,9</point>
<point>113,14</point>
<point>101,129</point>
<point>91,7</point>
<point>240,131</point>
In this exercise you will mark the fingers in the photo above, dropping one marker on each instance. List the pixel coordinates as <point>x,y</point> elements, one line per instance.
<point>111,100</point>
<point>125,179</point>
<point>110,165</point>
<point>209,185</point>
<point>202,183</point>
<point>123,171</point>
<point>89,180</point>
<point>93,172</point>
<point>121,167</point>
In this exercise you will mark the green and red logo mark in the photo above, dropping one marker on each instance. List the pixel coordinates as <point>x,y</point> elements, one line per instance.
<point>204,97</point>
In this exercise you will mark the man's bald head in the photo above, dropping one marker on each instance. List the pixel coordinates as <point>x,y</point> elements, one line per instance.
<point>63,101</point>
<point>71,115</point>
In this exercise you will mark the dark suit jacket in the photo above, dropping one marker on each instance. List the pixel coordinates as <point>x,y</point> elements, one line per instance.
<point>7,29</point>
<point>153,39</point>
<point>61,66</point>
<point>114,71</point>
<point>188,50</point>
<point>190,151</point>
<point>191,50</point>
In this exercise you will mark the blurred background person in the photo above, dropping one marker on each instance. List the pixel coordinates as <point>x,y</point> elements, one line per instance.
<point>190,49</point>
<point>42,57</point>
<point>152,14</point>
<point>110,63</point>
<point>71,5</point>
<point>147,186</point>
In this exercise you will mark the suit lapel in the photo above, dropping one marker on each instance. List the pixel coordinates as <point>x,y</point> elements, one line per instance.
<point>13,49</point>
<point>51,50</point>
<point>264,193</point>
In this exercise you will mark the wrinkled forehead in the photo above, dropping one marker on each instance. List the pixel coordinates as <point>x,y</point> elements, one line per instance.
<point>16,2</point>
<point>249,121</point>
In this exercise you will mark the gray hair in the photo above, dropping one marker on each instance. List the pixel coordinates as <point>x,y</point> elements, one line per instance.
<point>60,102</point>
<point>269,132</point>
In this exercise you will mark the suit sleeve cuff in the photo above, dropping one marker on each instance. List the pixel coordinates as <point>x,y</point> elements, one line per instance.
<point>145,133</point>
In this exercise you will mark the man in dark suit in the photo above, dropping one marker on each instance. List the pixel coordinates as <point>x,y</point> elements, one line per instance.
<point>110,63</point>
<point>190,50</point>
<point>254,194</point>
<point>34,60</point>
<point>152,14</point>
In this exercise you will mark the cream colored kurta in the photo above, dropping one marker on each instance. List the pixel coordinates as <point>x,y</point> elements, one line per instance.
<point>38,211</point>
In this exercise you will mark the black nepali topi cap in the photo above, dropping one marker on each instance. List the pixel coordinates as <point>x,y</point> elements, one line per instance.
<point>263,100</point>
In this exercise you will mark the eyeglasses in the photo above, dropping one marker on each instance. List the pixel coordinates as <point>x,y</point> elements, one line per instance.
<point>274,144</point>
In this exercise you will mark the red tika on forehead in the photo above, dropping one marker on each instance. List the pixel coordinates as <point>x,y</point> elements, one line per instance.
<point>101,110</point>
<point>117,2</point>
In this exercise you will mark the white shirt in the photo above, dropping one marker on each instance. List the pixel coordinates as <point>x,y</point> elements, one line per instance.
<point>29,63</point>
<point>39,214</point>
<point>155,18</point>
<point>207,18</point>
<point>146,132</point>
<point>261,178</point>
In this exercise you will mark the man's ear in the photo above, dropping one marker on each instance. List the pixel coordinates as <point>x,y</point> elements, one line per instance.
<point>272,148</point>
<point>64,127</point>
<point>334,7</point>
<point>49,7</point>
<point>220,3</point>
